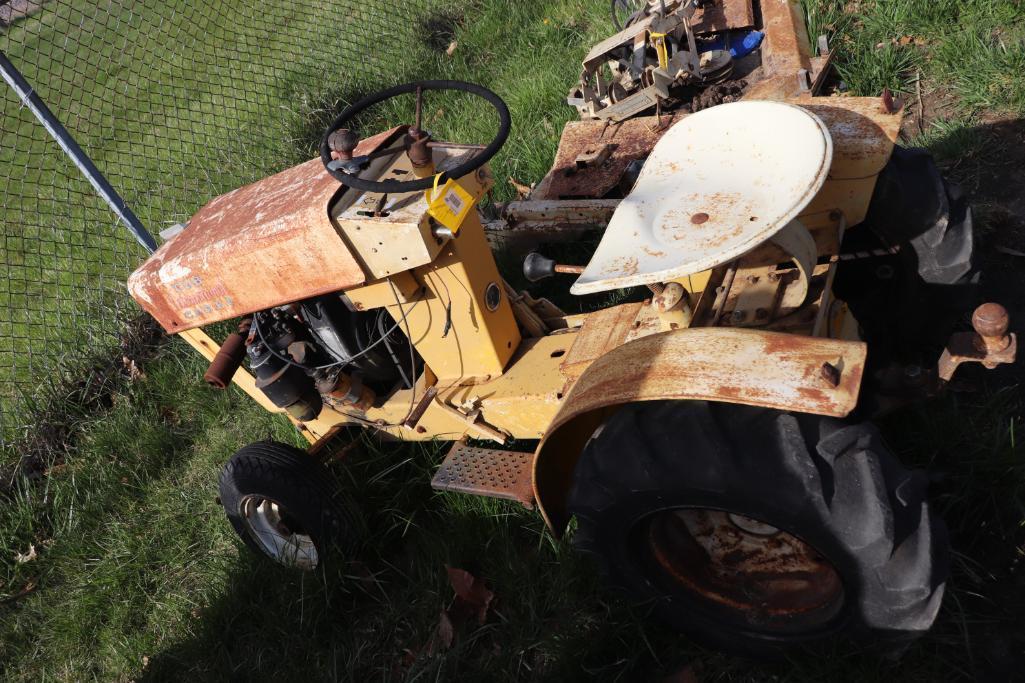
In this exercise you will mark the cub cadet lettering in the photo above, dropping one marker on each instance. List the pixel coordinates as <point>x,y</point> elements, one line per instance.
<point>203,302</point>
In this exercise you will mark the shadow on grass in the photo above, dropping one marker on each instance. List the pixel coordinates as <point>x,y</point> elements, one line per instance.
<point>375,618</point>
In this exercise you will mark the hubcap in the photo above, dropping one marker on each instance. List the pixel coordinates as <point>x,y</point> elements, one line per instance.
<point>743,570</point>
<point>279,535</point>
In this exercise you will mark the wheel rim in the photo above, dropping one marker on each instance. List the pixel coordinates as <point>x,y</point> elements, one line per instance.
<point>743,570</point>
<point>278,534</point>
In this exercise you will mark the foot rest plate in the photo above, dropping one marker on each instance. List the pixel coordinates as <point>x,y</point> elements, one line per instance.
<point>487,472</point>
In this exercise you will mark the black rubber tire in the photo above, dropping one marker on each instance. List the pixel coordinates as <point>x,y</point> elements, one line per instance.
<point>832,485</point>
<point>914,206</point>
<point>631,17</point>
<point>931,285</point>
<point>302,486</point>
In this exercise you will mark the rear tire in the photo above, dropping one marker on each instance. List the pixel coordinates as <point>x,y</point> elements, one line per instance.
<point>753,530</point>
<point>283,506</point>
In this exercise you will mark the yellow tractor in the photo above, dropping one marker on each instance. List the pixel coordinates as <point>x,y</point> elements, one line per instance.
<point>701,436</point>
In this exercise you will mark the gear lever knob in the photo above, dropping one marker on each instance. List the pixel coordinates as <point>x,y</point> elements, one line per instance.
<point>537,267</point>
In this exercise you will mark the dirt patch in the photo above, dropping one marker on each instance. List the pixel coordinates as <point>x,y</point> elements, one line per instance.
<point>721,93</point>
<point>57,426</point>
<point>438,30</point>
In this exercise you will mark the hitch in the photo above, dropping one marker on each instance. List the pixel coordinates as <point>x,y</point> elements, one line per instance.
<point>989,344</point>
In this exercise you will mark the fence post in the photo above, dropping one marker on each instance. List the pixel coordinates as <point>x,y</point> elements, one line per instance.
<point>59,133</point>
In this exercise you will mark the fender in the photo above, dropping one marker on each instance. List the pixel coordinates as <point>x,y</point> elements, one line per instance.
<point>752,367</point>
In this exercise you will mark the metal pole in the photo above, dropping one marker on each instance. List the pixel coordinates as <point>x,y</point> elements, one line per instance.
<point>31,100</point>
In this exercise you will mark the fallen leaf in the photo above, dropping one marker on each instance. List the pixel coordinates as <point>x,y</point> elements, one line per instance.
<point>450,50</point>
<point>445,632</point>
<point>169,415</point>
<point>22,558</point>
<point>29,587</point>
<point>133,370</point>
<point>471,591</point>
<point>522,190</point>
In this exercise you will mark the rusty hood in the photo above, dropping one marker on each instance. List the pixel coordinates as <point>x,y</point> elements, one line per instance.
<point>266,244</point>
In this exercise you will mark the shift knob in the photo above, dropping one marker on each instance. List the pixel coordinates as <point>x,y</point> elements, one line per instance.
<point>537,267</point>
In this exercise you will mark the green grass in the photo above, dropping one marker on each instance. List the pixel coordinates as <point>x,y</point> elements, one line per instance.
<point>965,56</point>
<point>139,577</point>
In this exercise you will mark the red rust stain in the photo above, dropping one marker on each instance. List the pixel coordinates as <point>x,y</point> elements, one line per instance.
<point>731,392</point>
<point>815,395</point>
<point>278,227</point>
<point>781,344</point>
<point>623,266</point>
<point>634,139</point>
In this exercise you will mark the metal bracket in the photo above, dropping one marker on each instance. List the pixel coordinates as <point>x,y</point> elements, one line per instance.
<point>989,344</point>
<point>796,241</point>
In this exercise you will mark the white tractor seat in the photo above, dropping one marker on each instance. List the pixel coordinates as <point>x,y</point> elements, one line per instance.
<point>719,183</point>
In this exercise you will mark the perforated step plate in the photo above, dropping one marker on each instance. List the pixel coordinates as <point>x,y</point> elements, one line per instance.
<point>487,472</point>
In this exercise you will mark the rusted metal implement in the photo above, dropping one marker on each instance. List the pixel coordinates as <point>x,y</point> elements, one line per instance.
<point>990,344</point>
<point>368,296</point>
<point>299,256</point>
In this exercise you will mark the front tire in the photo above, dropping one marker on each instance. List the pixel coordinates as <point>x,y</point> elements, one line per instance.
<point>753,530</point>
<point>282,505</point>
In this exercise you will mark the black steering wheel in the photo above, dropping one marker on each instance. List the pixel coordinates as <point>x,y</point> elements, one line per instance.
<point>346,173</point>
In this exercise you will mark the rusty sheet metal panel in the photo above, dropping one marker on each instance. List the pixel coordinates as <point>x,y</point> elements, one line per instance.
<point>863,134</point>
<point>602,331</point>
<point>752,367</point>
<point>728,14</point>
<point>262,245</point>
<point>863,139</point>
<point>629,140</point>
<point>786,48</point>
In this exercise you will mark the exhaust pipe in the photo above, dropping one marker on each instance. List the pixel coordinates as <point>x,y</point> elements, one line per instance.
<point>228,359</point>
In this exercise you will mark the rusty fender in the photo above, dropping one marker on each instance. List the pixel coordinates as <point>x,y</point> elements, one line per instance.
<point>753,367</point>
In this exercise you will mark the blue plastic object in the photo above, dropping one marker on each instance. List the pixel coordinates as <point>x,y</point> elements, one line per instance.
<point>740,46</point>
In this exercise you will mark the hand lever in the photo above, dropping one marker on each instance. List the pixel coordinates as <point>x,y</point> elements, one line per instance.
<point>537,267</point>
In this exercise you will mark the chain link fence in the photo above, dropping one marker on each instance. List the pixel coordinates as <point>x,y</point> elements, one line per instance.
<point>175,101</point>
